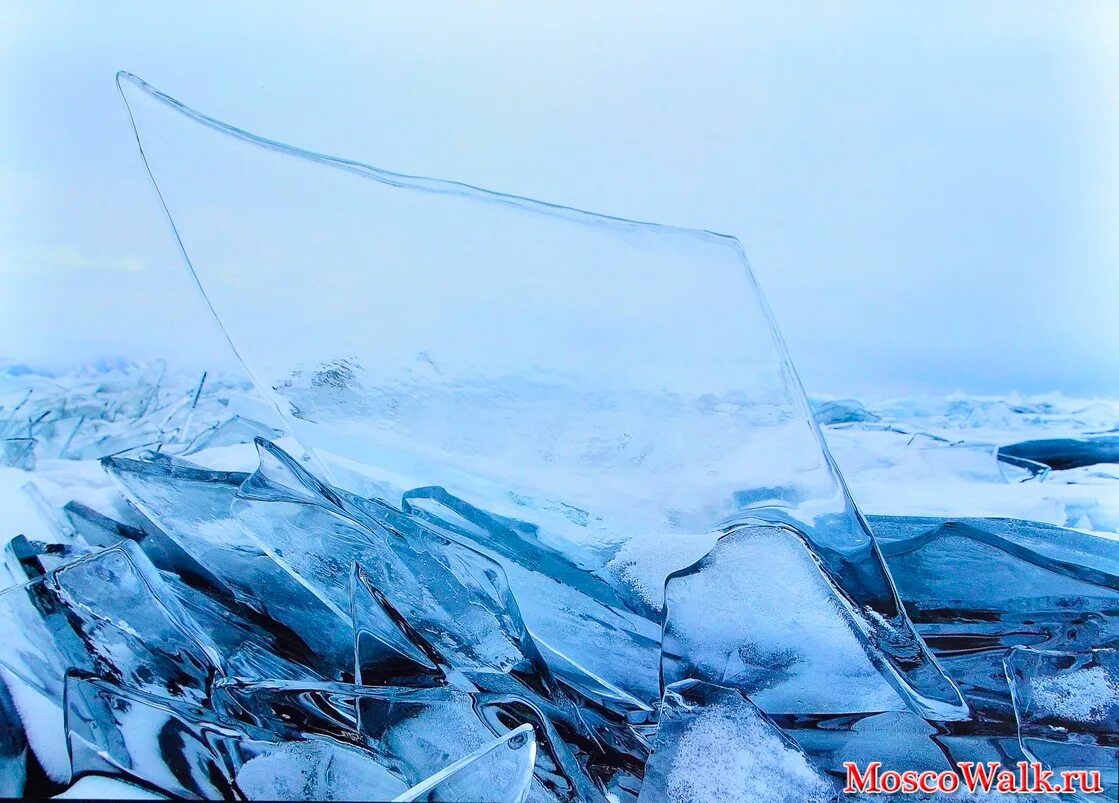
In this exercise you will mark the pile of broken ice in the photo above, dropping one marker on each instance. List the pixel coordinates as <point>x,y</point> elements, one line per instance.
<point>224,634</point>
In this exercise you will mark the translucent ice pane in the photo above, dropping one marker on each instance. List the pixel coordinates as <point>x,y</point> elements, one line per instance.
<point>456,598</point>
<point>1043,587</point>
<point>110,614</point>
<point>18,453</point>
<point>133,629</point>
<point>160,742</point>
<point>387,650</point>
<point>596,378</point>
<point>497,772</point>
<point>249,641</point>
<point>191,507</point>
<point>935,571</point>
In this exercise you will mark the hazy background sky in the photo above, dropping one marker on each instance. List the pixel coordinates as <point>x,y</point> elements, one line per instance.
<point>927,192</point>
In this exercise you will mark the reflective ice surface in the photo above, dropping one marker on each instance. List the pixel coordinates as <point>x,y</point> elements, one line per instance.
<point>110,614</point>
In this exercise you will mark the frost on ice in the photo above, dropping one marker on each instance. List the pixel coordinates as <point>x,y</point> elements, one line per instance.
<point>1067,706</point>
<point>713,744</point>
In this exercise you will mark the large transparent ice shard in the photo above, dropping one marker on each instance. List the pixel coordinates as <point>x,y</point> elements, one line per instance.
<point>713,744</point>
<point>500,771</point>
<point>185,512</point>
<point>159,742</point>
<point>191,507</point>
<point>456,598</point>
<point>387,650</point>
<point>598,378</point>
<point>110,614</point>
<point>251,644</point>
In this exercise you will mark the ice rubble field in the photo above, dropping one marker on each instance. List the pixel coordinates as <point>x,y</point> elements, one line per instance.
<point>939,457</point>
<point>76,445</point>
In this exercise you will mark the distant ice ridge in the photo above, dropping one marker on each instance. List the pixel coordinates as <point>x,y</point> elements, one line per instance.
<point>1047,458</point>
<point>118,406</point>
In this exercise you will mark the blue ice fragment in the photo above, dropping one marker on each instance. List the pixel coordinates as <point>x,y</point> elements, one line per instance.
<point>110,614</point>
<point>498,772</point>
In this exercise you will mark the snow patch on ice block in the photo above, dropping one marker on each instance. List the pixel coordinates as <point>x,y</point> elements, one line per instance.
<point>713,744</point>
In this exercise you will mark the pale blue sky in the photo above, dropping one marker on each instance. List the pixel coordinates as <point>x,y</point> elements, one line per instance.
<point>928,196</point>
